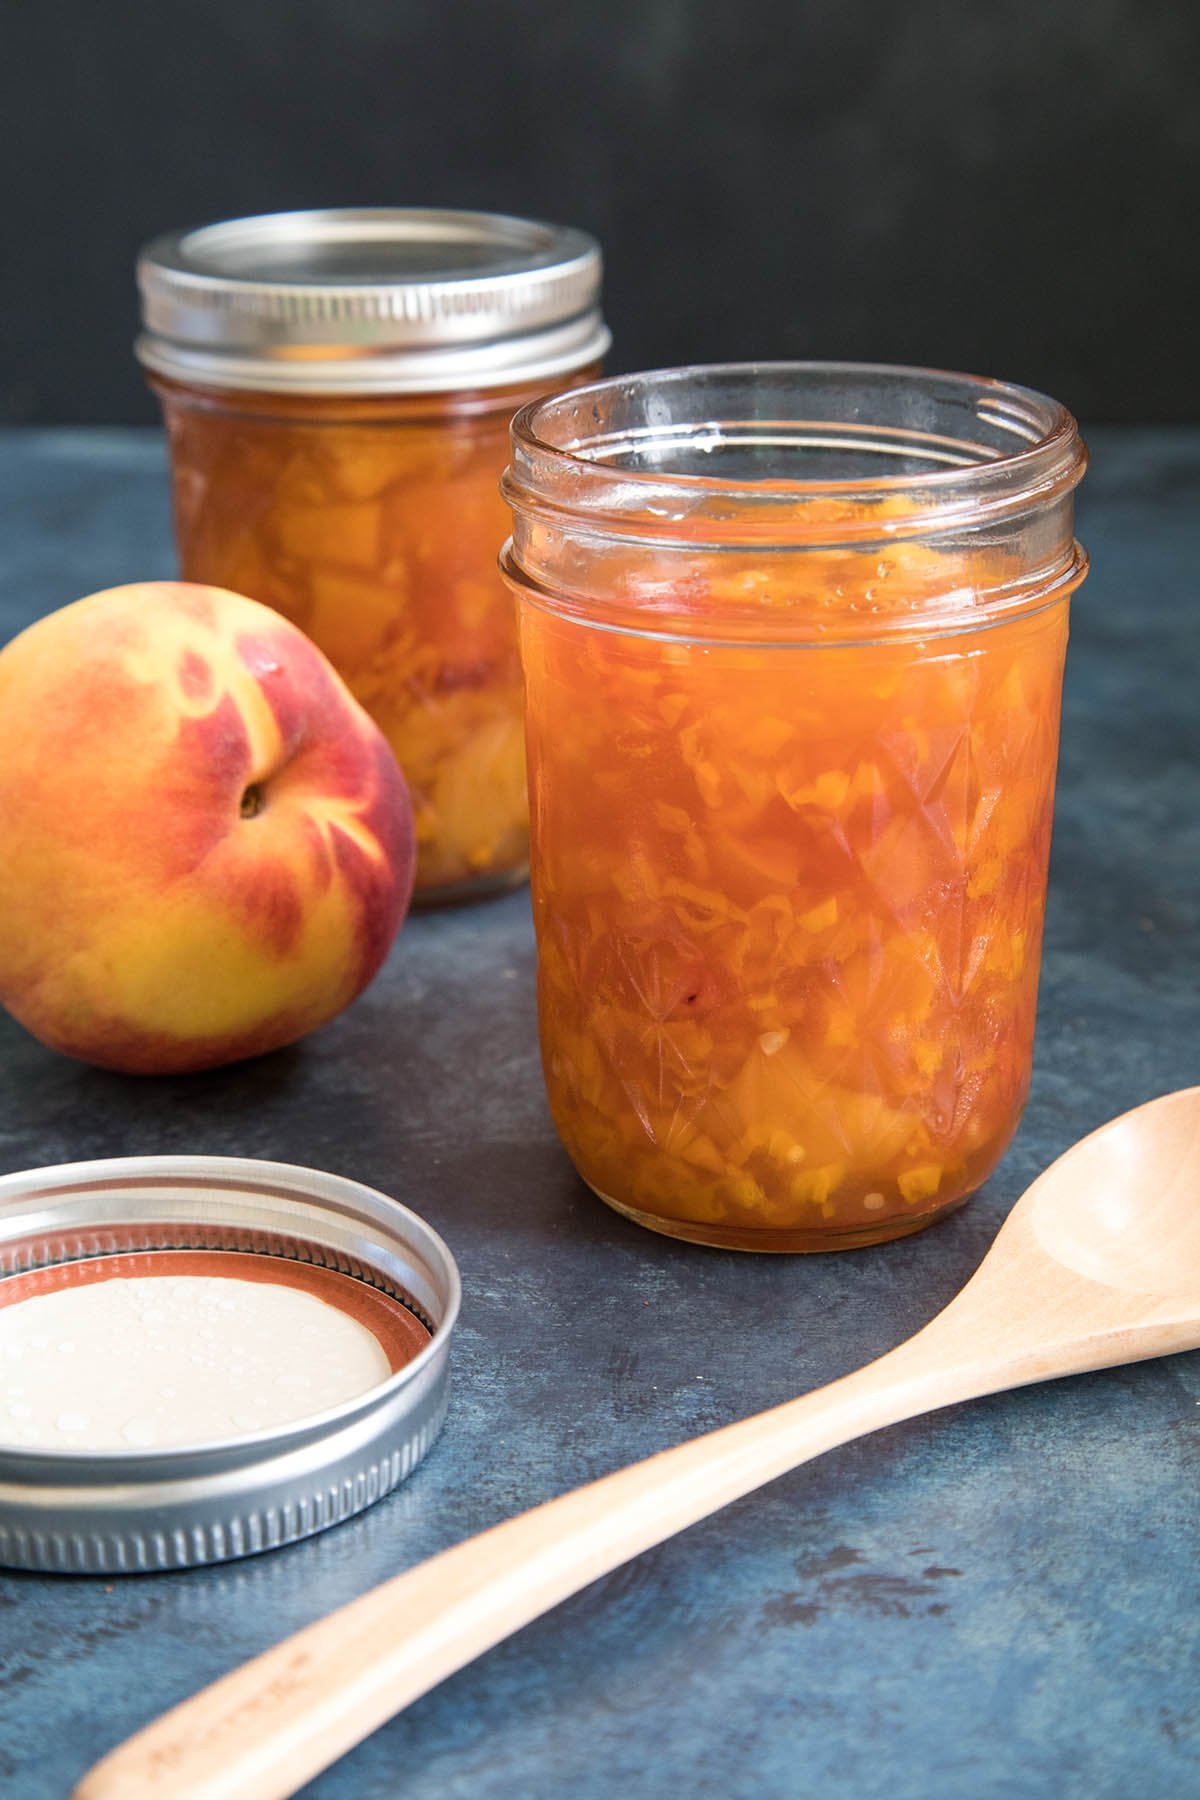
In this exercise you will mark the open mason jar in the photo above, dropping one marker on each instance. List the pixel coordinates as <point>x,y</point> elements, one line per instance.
<point>337,388</point>
<point>793,642</point>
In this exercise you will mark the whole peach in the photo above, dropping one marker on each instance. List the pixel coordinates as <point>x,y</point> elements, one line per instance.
<point>206,845</point>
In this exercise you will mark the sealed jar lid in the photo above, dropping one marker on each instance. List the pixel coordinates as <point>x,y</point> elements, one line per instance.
<point>282,1464</point>
<point>370,300</point>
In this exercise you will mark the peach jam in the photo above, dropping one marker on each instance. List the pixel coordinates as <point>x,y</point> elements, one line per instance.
<point>793,641</point>
<point>337,388</point>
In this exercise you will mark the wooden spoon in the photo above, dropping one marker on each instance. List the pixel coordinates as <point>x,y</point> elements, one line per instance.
<point>1098,1263</point>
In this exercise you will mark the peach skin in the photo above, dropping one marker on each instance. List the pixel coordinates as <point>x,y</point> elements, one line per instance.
<point>206,845</point>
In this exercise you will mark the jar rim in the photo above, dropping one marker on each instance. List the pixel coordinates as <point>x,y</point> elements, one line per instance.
<point>970,480</point>
<point>619,523</point>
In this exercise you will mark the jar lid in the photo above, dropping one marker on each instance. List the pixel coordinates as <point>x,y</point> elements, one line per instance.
<point>132,1509</point>
<point>370,300</point>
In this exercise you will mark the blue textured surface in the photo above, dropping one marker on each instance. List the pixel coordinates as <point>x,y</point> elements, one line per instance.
<point>1002,1601</point>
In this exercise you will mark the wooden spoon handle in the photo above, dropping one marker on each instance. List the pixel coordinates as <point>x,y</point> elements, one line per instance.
<point>271,1725</point>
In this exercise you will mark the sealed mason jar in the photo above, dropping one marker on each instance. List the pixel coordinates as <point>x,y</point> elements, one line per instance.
<point>337,388</point>
<point>793,642</point>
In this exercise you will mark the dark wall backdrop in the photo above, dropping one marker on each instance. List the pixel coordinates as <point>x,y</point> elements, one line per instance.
<point>1010,187</point>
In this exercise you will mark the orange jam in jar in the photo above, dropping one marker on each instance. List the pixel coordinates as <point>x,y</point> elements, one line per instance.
<point>793,641</point>
<point>337,389</point>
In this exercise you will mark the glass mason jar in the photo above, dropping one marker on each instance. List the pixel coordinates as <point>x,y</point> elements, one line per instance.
<point>793,641</point>
<point>337,388</point>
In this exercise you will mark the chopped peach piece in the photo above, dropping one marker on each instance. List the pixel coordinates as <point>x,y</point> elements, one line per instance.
<point>375,525</point>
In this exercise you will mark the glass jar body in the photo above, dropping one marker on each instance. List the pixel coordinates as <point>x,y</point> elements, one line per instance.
<point>789,916</point>
<point>792,802</point>
<point>373,523</point>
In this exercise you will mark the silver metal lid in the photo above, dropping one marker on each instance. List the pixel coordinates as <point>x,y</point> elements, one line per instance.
<point>117,1511</point>
<point>370,300</point>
